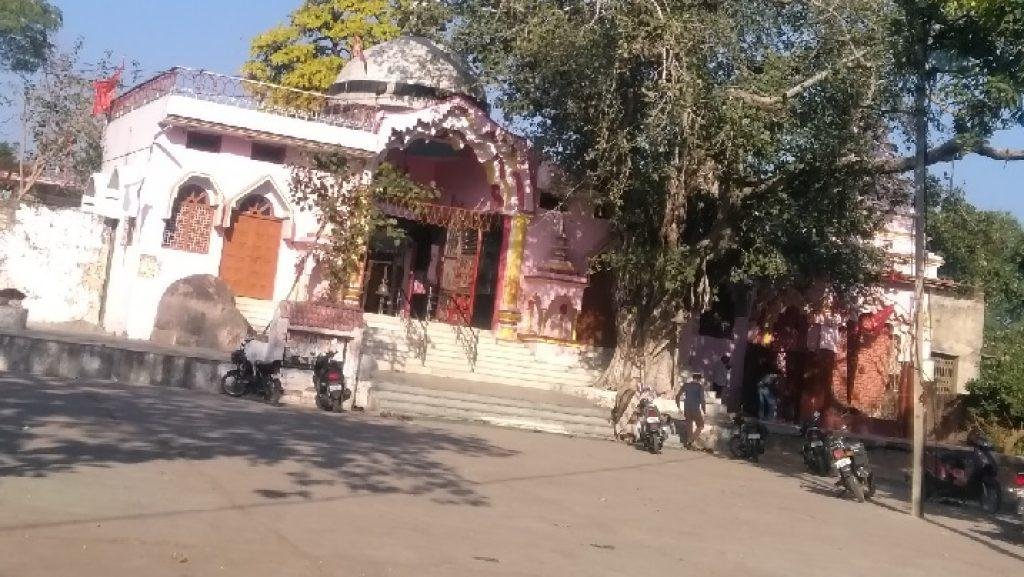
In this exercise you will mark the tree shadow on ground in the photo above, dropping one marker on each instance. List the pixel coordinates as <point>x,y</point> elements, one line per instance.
<point>783,458</point>
<point>49,426</point>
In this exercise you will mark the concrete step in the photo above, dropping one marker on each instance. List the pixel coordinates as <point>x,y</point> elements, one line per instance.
<point>522,373</point>
<point>511,379</point>
<point>258,312</point>
<point>412,401</point>
<point>456,353</point>
<point>492,401</point>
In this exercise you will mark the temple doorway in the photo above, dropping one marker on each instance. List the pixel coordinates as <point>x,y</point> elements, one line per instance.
<point>431,272</point>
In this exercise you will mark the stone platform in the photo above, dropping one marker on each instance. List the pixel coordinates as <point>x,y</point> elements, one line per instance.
<point>89,356</point>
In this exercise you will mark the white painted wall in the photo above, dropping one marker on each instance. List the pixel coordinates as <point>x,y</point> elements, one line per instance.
<point>135,294</point>
<point>58,258</point>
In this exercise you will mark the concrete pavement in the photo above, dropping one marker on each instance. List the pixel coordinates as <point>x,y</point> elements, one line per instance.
<point>104,479</point>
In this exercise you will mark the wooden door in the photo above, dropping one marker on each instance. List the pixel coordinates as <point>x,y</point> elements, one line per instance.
<point>458,276</point>
<point>249,261</point>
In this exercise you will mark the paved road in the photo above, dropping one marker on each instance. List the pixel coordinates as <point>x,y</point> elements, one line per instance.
<point>100,479</point>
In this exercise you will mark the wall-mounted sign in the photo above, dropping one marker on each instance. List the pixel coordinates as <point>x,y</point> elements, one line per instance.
<point>149,266</point>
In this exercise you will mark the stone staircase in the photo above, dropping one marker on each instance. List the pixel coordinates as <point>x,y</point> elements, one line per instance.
<point>258,312</point>
<point>412,346</point>
<point>398,395</point>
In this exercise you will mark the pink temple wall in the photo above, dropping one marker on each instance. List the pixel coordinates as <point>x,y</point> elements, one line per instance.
<point>586,234</point>
<point>546,296</point>
<point>462,180</point>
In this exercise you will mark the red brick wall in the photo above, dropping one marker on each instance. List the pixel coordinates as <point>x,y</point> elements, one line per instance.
<point>870,370</point>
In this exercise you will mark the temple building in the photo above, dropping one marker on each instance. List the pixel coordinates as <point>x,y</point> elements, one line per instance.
<point>196,174</point>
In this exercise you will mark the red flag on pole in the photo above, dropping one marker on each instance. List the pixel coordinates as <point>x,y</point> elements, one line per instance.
<point>103,92</point>
<point>876,322</point>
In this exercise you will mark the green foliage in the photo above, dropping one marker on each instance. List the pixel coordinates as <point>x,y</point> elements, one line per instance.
<point>309,51</point>
<point>26,31</point>
<point>350,211</point>
<point>997,398</point>
<point>657,107</point>
<point>975,65</point>
<point>982,249</point>
<point>66,139</point>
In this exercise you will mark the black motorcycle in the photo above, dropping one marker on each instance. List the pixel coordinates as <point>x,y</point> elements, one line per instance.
<point>247,377</point>
<point>955,476</point>
<point>850,460</point>
<point>748,439</point>
<point>329,381</point>
<point>814,452</point>
<point>651,425</point>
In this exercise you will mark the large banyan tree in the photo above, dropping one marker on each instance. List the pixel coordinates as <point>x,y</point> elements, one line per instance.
<point>737,142</point>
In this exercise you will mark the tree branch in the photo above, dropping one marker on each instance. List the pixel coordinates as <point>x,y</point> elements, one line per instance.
<point>776,103</point>
<point>952,149</point>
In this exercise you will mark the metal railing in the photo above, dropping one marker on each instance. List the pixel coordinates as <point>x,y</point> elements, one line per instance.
<point>466,334</point>
<point>244,93</point>
<point>415,328</point>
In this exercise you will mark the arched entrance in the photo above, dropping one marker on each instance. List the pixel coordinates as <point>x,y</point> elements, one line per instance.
<point>248,262</point>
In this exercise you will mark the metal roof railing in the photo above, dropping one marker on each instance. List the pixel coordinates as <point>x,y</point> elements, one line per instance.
<point>244,93</point>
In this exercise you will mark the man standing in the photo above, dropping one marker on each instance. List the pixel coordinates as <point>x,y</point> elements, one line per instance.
<point>767,401</point>
<point>720,377</point>
<point>690,400</point>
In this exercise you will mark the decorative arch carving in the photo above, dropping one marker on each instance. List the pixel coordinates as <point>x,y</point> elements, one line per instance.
<point>460,123</point>
<point>201,180</point>
<point>267,189</point>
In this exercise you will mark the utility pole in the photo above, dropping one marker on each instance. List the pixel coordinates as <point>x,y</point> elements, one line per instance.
<point>24,140</point>
<point>920,251</point>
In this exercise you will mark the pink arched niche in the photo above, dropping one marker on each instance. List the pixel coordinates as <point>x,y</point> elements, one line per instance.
<point>460,178</point>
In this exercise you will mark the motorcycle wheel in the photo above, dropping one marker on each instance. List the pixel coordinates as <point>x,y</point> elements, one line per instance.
<point>656,444</point>
<point>854,487</point>
<point>274,391</point>
<point>755,453</point>
<point>821,464</point>
<point>870,487</point>
<point>322,403</point>
<point>336,405</point>
<point>990,497</point>
<point>737,448</point>
<point>232,384</point>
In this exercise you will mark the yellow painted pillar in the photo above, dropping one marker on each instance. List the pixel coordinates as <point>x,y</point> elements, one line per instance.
<point>509,314</point>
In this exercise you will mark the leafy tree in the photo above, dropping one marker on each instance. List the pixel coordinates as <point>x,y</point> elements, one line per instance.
<point>66,139</point>
<point>308,52</point>
<point>982,249</point>
<point>729,141</point>
<point>996,399</point>
<point>26,29</point>
<point>742,141</point>
<point>349,211</point>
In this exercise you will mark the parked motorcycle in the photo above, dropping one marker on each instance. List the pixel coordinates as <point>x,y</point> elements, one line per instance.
<point>748,438</point>
<point>651,426</point>
<point>850,460</point>
<point>329,381</point>
<point>955,476</point>
<point>252,377</point>
<point>1018,491</point>
<point>814,452</point>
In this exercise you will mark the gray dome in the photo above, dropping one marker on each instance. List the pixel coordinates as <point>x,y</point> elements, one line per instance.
<point>404,72</point>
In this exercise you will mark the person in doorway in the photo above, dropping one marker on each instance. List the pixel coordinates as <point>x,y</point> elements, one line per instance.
<point>767,403</point>
<point>720,376</point>
<point>690,401</point>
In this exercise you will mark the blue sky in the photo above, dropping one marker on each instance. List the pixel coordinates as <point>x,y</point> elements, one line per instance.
<point>214,34</point>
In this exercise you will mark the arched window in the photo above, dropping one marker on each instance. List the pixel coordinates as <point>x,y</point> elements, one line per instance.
<point>188,229</point>
<point>256,205</point>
